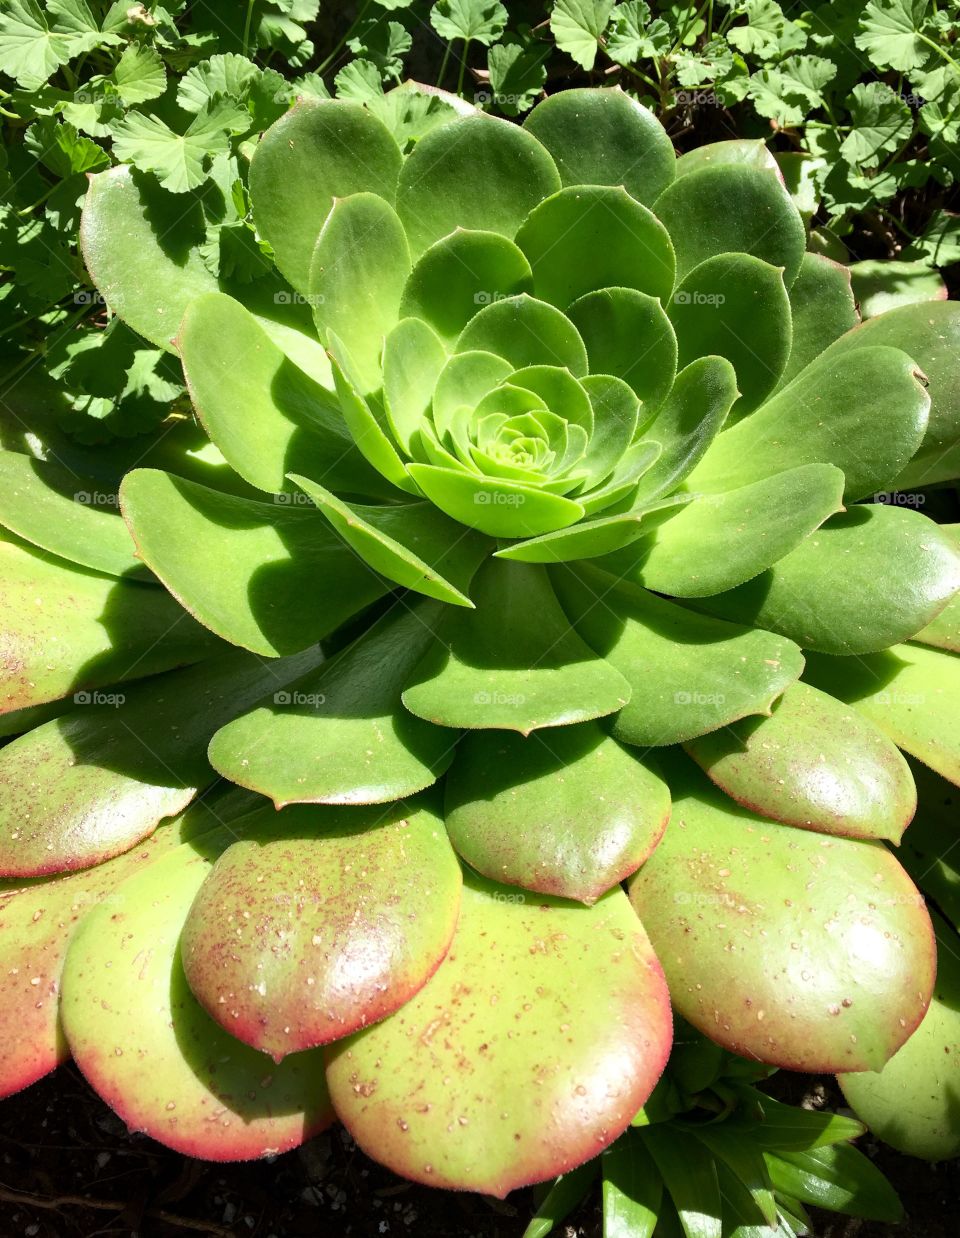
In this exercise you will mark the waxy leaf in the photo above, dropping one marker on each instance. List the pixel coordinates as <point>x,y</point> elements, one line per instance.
<point>588,539</point>
<point>514,663</point>
<point>720,540</point>
<point>735,306</point>
<point>603,137</point>
<point>688,422</point>
<point>438,190</point>
<point>461,273</point>
<point>838,1177</point>
<point>265,414</point>
<point>595,236</point>
<point>866,413</point>
<point>90,784</point>
<point>412,544</point>
<point>632,1190</point>
<point>525,331</point>
<point>340,735</point>
<point>272,578</point>
<point>688,675</point>
<point>627,334</point>
<point>748,152</point>
<point>944,631</point>
<point>67,515</point>
<point>413,359</point>
<point>822,308</point>
<point>495,506</point>
<point>318,151</point>
<point>870,577</point>
<point>732,208</point>
<point>910,692</point>
<point>566,811</point>
<point>364,903</point>
<point>569,999</point>
<point>357,273</point>
<point>813,763</point>
<point>806,952</point>
<point>146,1045</point>
<point>67,629</point>
<point>38,919</point>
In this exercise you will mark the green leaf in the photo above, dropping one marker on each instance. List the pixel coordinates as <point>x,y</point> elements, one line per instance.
<point>480,21</point>
<point>890,34</point>
<point>288,422</point>
<point>880,286</point>
<point>719,541</point>
<point>772,1125</point>
<point>815,764</point>
<point>688,675</point>
<point>832,593</point>
<point>438,192</point>
<point>460,274</point>
<point>603,137</point>
<point>839,1178</point>
<point>60,148</point>
<point>180,161</point>
<point>627,244</point>
<point>944,631</point>
<point>689,1175</point>
<point>566,1193</point>
<point>392,1090</point>
<point>340,734</point>
<point>525,331</point>
<point>32,48</point>
<point>125,959</point>
<point>628,335</point>
<point>357,273</point>
<point>249,571</point>
<point>381,885</point>
<point>880,122</point>
<point>413,358</point>
<point>493,505</point>
<point>633,36</point>
<point>866,413</point>
<point>120,761</point>
<point>359,81</point>
<point>735,306</point>
<point>384,43</point>
<point>567,812</point>
<point>139,75</point>
<point>318,151</point>
<point>517,75</point>
<point>632,1190</point>
<point>730,208</point>
<point>514,663</point>
<point>587,540</point>
<point>844,997</point>
<point>578,26</point>
<point>822,308</point>
<point>412,544</point>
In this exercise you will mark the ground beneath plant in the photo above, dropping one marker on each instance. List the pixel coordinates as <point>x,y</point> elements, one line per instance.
<point>70,1169</point>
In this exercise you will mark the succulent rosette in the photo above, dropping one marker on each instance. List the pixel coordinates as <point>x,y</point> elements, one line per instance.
<point>535,516</point>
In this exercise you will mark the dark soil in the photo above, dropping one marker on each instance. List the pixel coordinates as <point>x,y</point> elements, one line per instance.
<point>70,1169</point>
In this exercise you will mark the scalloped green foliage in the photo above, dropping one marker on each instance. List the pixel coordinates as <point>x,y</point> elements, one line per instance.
<point>834,948</point>
<point>545,435</point>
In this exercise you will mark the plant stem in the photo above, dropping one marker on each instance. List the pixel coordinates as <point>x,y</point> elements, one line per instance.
<point>246,28</point>
<point>348,33</point>
<point>443,63</point>
<point>463,67</point>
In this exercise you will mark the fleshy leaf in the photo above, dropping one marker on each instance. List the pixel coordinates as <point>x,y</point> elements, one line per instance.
<point>149,1049</point>
<point>318,151</point>
<point>589,539</point>
<point>92,783</point>
<point>746,152</point>
<point>272,578</point>
<point>357,273</point>
<point>567,812</point>
<point>627,244</point>
<point>910,692</point>
<point>865,412</point>
<point>822,309</point>
<point>688,675</point>
<point>944,631</point>
<point>732,208</point>
<point>67,629</point>
<point>340,735</point>
<point>803,951</point>
<point>438,190</point>
<point>603,137</point>
<point>413,358</point>
<point>265,414</point>
<point>526,331</point>
<point>493,505</point>
<point>364,901</point>
<point>833,592</point>
<point>67,515</point>
<point>813,763</point>
<point>533,988</point>
<point>461,273</point>
<point>735,306</point>
<point>718,541</point>
<point>689,421</point>
<point>627,334</point>
<point>514,663</point>
<point>412,544</point>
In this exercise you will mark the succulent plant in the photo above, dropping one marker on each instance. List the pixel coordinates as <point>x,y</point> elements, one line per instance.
<point>535,514</point>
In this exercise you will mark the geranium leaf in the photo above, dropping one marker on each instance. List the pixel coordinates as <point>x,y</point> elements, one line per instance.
<point>578,26</point>
<point>180,161</point>
<point>480,21</point>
